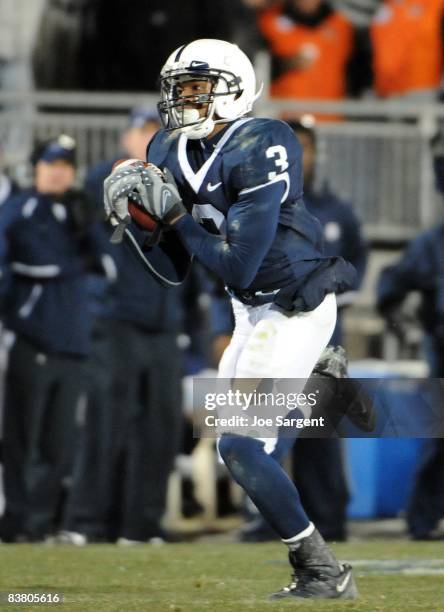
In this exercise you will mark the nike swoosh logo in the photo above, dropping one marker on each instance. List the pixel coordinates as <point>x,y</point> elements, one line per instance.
<point>165,196</point>
<point>342,585</point>
<point>211,187</point>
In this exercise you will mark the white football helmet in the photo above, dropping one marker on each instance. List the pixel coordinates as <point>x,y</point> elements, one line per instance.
<point>231,94</point>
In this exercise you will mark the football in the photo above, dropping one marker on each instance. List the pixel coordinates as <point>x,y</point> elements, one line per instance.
<point>138,214</point>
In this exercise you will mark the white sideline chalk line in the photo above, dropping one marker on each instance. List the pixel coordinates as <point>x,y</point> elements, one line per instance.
<point>404,567</point>
<point>412,566</point>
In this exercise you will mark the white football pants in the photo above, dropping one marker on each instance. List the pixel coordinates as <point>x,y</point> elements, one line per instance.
<point>269,342</point>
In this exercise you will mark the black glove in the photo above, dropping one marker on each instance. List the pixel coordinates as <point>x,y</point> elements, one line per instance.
<point>82,213</point>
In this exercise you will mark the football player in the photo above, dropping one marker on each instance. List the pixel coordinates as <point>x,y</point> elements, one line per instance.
<point>233,199</point>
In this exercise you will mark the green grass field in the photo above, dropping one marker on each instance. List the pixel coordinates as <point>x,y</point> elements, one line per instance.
<point>392,575</point>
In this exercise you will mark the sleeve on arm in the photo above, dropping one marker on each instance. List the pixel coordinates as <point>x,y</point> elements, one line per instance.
<point>9,214</point>
<point>251,227</point>
<point>261,179</point>
<point>412,272</point>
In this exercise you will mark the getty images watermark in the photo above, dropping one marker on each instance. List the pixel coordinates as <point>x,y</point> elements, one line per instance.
<point>255,400</point>
<point>258,408</point>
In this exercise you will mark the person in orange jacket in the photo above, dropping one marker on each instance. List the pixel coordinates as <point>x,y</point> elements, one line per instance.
<point>311,45</point>
<point>407,44</point>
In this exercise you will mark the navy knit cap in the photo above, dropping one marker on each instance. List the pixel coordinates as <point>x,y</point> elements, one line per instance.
<point>63,147</point>
<point>141,115</point>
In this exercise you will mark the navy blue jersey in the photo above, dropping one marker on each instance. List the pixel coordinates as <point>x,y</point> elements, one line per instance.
<point>244,187</point>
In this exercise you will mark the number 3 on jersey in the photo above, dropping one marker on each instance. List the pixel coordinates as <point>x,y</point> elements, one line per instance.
<point>279,154</point>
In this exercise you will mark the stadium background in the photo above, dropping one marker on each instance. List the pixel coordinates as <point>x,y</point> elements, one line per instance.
<point>376,154</point>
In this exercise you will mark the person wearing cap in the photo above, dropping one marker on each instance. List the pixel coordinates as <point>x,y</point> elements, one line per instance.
<point>134,418</point>
<point>46,248</point>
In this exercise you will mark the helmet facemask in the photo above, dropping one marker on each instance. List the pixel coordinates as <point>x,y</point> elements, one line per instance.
<point>184,112</point>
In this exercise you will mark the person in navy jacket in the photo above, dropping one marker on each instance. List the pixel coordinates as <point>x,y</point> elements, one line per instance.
<point>421,269</point>
<point>342,230</point>
<point>46,248</point>
<point>342,236</point>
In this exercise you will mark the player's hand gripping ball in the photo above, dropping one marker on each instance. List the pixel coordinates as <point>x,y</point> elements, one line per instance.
<point>140,191</point>
<point>136,210</point>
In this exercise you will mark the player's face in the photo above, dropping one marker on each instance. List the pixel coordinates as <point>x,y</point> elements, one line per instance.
<point>191,90</point>
<point>54,177</point>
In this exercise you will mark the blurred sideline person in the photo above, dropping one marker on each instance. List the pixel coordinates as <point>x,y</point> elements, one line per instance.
<point>241,178</point>
<point>341,227</point>
<point>421,268</point>
<point>134,417</point>
<point>8,188</point>
<point>46,248</point>
<point>311,46</point>
<point>323,484</point>
<point>407,48</point>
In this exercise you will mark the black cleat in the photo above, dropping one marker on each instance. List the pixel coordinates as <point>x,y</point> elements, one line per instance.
<point>332,362</point>
<point>317,573</point>
<point>343,396</point>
